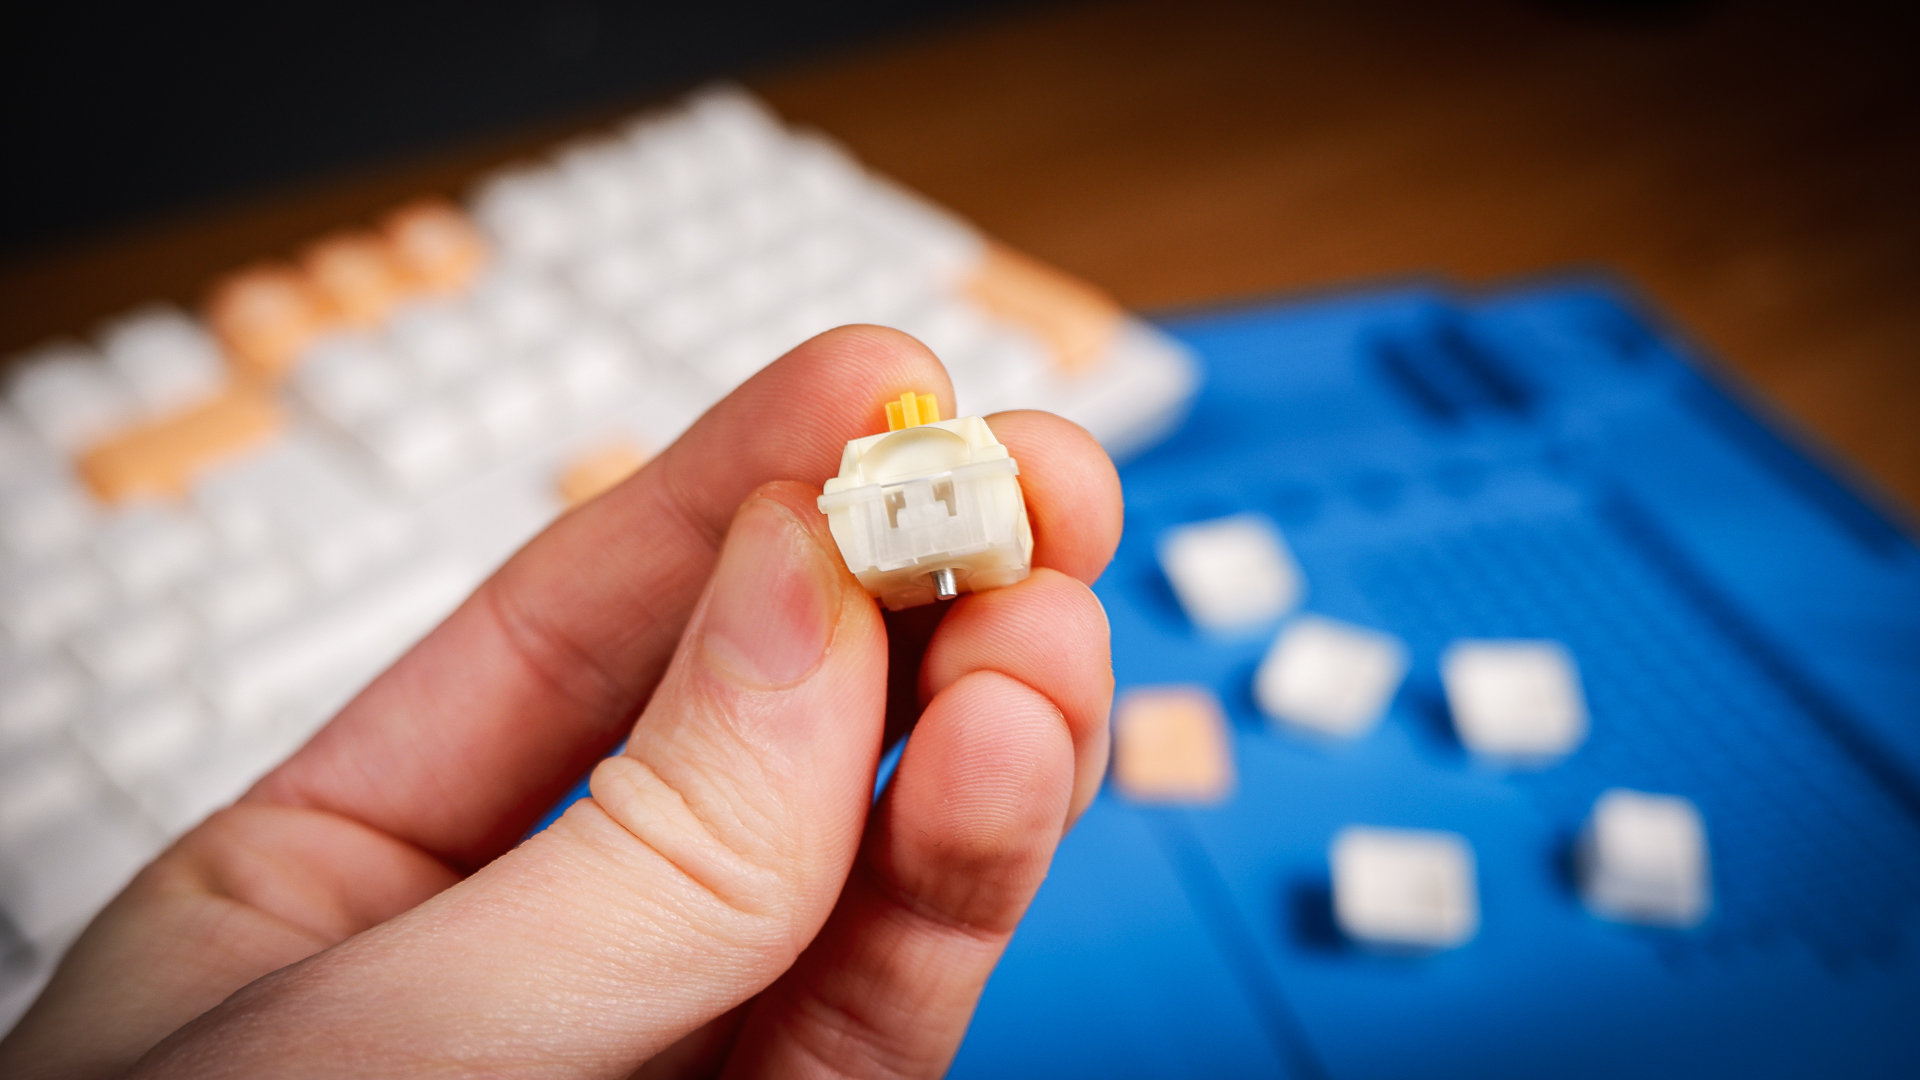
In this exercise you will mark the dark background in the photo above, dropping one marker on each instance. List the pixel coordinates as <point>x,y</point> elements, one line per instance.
<point>115,112</point>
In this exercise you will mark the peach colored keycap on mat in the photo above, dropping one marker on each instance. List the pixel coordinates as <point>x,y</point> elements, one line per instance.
<point>162,458</point>
<point>1075,320</point>
<point>597,471</point>
<point>1170,745</point>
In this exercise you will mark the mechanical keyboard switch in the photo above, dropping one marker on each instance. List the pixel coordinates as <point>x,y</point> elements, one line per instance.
<point>930,509</point>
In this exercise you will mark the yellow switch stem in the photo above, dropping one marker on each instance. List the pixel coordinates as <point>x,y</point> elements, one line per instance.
<point>912,410</point>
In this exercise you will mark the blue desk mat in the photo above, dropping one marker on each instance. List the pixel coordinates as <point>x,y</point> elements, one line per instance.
<point>1543,462</point>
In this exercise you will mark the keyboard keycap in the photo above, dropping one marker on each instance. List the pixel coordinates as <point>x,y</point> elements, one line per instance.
<point>69,395</point>
<point>162,457</point>
<point>43,512</point>
<point>350,378</point>
<point>136,647</point>
<point>167,358</point>
<point>152,547</point>
<point>40,602</point>
<point>353,637</point>
<point>39,695</point>
<point>244,593</point>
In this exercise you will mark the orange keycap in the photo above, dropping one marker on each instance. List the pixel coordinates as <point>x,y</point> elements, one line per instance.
<point>435,244</point>
<point>163,457</point>
<point>1074,319</point>
<point>264,314</point>
<point>357,275</point>
<point>1170,745</point>
<point>598,471</point>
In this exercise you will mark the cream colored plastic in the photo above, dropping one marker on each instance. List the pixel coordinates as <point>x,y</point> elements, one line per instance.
<point>931,505</point>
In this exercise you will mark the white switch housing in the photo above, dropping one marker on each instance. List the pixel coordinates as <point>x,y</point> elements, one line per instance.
<point>930,511</point>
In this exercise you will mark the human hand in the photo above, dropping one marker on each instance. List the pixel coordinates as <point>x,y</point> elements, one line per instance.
<point>730,899</point>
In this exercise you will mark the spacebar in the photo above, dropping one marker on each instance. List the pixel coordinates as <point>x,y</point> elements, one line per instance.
<point>353,637</point>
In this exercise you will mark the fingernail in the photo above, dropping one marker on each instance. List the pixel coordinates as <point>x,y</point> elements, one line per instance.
<point>774,599</point>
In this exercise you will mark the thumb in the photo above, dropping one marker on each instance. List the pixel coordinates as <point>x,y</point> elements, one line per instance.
<point>709,856</point>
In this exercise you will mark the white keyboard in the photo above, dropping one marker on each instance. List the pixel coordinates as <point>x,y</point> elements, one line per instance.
<point>214,530</point>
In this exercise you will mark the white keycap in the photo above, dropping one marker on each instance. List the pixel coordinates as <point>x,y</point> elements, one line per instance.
<point>529,215</point>
<point>1404,889</point>
<point>521,307</point>
<point>746,137</point>
<point>1515,702</point>
<point>820,258</point>
<point>43,512</point>
<point>678,321</point>
<point>148,548</point>
<point>351,378</point>
<point>243,593</point>
<point>618,277</point>
<point>1643,859</point>
<point>69,395</point>
<point>592,366</point>
<point>167,357</point>
<point>23,453</point>
<point>1330,677</point>
<point>41,783</point>
<point>665,154</point>
<point>693,244</point>
<point>214,773</point>
<point>40,602</point>
<point>134,739</point>
<point>300,498</point>
<point>39,695</point>
<point>598,174</point>
<point>422,444</point>
<point>928,241</point>
<point>354,636</point>
<point>351,546</point>
<point>751,290</point>
<point>878,295</point>
<point>824,179</point>
<point>513,404</point>
<point>758,216</point>
<point>1232,573</point>
<point>136,646</point>
<point>442,342</point>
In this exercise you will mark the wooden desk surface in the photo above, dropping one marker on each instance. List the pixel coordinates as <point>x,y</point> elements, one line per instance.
<point>1753,170</point>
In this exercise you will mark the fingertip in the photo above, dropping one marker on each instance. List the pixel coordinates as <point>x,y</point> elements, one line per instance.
<point>1049,632</point>
<point>979,802</point>
<point>889,362</point>
<point>1033,626</point>
<point>1073,491</point>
